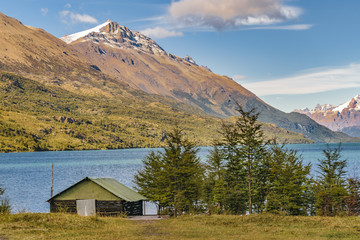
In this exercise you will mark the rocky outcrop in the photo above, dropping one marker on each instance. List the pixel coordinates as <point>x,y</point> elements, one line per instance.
<point>190,60</point>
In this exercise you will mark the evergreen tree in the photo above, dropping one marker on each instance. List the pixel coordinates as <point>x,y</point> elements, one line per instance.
<point>288,183</point>
<point>214,186</point>
<point>352,201</point>
<point>245,154</point>
<point>173,178</point>
<point>331,186</point>
<point>151,182</point>
<point>235,198</point>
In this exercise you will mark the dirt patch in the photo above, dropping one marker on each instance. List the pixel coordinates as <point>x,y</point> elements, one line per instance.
<point>151,230</point>
<point>147,218</point>
<point>149,225</point>
<point>2,237</point>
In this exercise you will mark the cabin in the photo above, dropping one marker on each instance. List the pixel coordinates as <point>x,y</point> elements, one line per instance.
<point>103,196</point>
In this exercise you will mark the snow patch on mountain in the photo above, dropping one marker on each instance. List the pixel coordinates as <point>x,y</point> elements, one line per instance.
<point>341,107</point>
<point>73,37</point>
<point>305,111</point>
<point>323,107</point>
<point>116,36</point>
<point>318,108</point>
<point>355,104</point>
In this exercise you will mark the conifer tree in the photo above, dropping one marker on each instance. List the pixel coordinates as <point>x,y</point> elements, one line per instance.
<point>173,178</point>
<point>151,182</point>
<point>245,153</point>
<point>331,186</point>
<point>288,182</point>
<point>214,186</point>
<point>352,201</point>
<point>252,150</point>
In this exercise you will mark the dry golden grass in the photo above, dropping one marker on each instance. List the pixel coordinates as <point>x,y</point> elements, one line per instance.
<point>64,226</point>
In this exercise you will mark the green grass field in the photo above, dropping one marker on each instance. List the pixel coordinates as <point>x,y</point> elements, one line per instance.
<point>65,226</point>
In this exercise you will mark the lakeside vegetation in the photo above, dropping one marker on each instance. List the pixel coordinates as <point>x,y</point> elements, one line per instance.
<point>245,174</point>
<point>67,226</point>
<point>39,117</point>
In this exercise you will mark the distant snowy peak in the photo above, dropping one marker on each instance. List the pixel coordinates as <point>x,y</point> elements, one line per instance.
<point>344,118</point>
<point>114,35</point>
<point>324,107</point>
<point>318,108</point>
<point>305,111</point>
<point>354,104</point>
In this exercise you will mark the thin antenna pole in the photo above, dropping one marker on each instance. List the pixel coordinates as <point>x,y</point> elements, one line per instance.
<point>52,180</point>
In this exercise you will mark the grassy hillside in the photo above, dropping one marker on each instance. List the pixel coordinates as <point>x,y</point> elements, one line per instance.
<point>61,226</point>
<point>36,117</point>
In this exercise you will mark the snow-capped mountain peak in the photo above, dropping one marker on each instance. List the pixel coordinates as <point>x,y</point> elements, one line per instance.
<point>354,103</point>
<point>323,107</point>
<point>73,37</point>
<point>116,36</point>
<point>345,117</point>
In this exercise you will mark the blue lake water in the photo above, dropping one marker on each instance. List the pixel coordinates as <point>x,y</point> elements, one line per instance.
<point>27,176</point>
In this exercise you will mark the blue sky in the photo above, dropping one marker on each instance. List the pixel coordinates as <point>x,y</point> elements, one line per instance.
<point>291,53</point>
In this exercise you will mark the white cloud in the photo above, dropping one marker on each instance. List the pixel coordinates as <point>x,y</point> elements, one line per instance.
<point>313,82</point>
<point>68,5</point>
<point>158,19</point>
<point>70,17</point>
<point>224,14</point>
<point>297,27</point>
<point>44,11</point>
<point>238,77</point>
<point>159,32</point>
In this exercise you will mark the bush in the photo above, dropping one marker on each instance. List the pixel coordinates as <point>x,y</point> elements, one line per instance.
<point>4,203</point>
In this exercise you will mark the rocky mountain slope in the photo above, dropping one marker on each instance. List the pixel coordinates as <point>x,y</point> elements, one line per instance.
<point>344,118</point>
<point>33,52</point>
<point>127,70</point>
<point>137,60</point>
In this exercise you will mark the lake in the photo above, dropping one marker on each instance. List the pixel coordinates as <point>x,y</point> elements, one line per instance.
<point>27,176</point>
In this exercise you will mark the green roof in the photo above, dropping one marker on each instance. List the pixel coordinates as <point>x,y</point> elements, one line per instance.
<point>118,189</point>
<point>112,186</point>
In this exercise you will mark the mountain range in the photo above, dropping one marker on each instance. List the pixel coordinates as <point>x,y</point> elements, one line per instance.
<point>137,60</point>
<point>131,57</point>
<point>344,117</point>
<point>135,83</point>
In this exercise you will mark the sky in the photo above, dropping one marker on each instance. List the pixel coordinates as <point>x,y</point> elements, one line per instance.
<point>291,53</point>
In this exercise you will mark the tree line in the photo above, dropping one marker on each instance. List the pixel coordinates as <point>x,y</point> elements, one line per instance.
<point>244,174</point>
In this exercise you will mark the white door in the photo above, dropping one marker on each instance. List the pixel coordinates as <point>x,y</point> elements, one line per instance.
<point>86,207</point>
